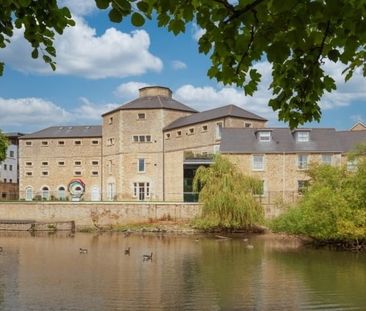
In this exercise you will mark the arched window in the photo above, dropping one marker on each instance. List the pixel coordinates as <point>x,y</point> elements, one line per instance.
<point>28,194</point>
<point>61,193</point>
<point>45,193</point>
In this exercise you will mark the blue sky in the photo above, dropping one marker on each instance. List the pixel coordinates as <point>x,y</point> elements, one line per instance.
<point>101,65</point>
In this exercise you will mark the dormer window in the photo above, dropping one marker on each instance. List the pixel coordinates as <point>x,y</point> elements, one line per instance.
<point>303,136</point>
<point>264,136</point>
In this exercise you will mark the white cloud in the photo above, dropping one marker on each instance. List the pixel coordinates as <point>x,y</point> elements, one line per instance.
<point>32,114</point>
<point>89,111</point>
<point>347,92</point>
<point>81,52</point>
<point>178,65</point>
<point>79,8</point>
<point>197,32</point>
<point>129,89</point>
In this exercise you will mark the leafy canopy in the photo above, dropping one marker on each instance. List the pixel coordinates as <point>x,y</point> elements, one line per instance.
<point>40,19</point>
<point>295,36</point>
<point>3,146</point>
<point>227,196</point>
<point>333,208</point>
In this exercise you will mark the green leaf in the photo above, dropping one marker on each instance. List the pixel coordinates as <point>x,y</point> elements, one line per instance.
<point>333,55</point>
<point>142,6</point>
<point>35,53</point>
<point>1,69</point>
<point>24,3</point>
<point>137,20</point>
<point>102,4</point>
<point>115,15</point>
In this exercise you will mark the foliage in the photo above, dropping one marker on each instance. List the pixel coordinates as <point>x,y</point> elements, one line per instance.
<point>39,19</point>
<point>227,196</point>
<point>333,208</point>
<point>3,146</point>
<point>296,37</point>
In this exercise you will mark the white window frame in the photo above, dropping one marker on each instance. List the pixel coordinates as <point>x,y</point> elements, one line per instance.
<point>141,116</point>
<point>61,195</point>
<point>264,136</point>
<point>301,164</point>
<point>29,193</point>
<point>218,129</point>
<point>327,159</point>
<point>45,193</point>
<point>258,166</point>
<point>303,136</point>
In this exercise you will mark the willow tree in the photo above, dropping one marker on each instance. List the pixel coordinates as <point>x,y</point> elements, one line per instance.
<point>3,146</point>
<point>227,195</point>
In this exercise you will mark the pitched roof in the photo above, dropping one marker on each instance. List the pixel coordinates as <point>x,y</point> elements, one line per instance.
<point>349,139</point>
<point>13,134</point>
<point>358,124</point>
<point>153,102</point>
<point>244,140</point>
<point>67,132</point>
<point>217,113</point>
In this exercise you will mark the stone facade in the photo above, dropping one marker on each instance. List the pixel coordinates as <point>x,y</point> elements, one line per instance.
<point>146,147</point>
<point>48,165</point>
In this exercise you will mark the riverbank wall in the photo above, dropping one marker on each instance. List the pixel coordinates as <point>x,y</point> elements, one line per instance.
<point>96,214</point>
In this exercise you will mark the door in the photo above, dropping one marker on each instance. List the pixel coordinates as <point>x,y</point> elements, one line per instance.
<point>95,194</point>
<point>141,191</point>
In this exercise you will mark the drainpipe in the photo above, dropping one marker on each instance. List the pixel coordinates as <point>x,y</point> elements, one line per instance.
<point>283,176</point>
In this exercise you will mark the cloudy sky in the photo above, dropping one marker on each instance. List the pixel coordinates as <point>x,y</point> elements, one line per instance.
<point>101,65</point>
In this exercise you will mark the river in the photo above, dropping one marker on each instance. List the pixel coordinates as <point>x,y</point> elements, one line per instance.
<point>47,272</point>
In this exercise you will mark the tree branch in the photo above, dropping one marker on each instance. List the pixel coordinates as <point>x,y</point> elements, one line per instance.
<point>226,4</point>
<point>326,32</point>
<point>246,53</point>
<point>247,8</point>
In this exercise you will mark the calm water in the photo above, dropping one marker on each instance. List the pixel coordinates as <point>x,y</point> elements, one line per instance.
<point>47,272</point>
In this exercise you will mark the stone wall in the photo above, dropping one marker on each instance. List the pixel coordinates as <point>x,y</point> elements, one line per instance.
<point>99,214</point>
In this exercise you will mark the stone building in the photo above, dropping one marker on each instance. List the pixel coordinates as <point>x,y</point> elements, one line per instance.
<point>150,148</point>
<point>9,174</point>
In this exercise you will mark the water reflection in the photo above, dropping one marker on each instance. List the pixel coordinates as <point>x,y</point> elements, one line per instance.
<point>47,272</point>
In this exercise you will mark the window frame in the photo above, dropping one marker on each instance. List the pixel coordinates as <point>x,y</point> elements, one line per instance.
<point>139,162</point>
<point>263,135</point>
<point>255,167</point>
<point>300,163</point>
<point>303,136</point>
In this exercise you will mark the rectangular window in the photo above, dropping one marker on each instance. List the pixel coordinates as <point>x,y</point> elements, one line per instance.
<point>10,167</point>
<point>302,136</point>
<point>167,135</point>
<point>61,163</point>
<point>110,141</point>
<point>61,143</point>
<point>179,133</point>
<point>141,138</point>
<point>327,159</point>
<point>95,173</point>
<point>11,153</point>
<point>95,163</point>
<point>5,167</point>
<point>77,173</point>
<point>219,130</point>
<point>264,136</point>
<point>29,173</point>
<point>44,173</point>
<point>110,165</point>
<point>247,124</point>
<point>135,189</point>
<point>28,163</point>
<point>352,165</point>
<point>302,161</point>
<point>204,128</point>
<point>141,190</point>
<point>261,190</point>
<point>95,142</point>
<point>77,163</point>
<point>258,162</point>
<point>28,143</point>
<point>191,131</point>
<point>44,143</point>
<point>141,165</point>
<point>302,185</point>
<point>45,163</point>
<point>77,142</point>
<point>110,120</point>
<point>141,116</point>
